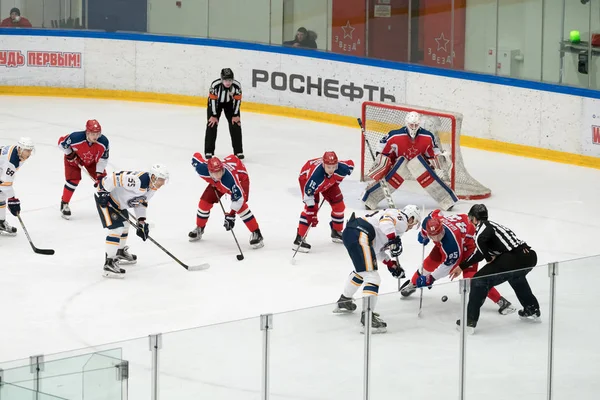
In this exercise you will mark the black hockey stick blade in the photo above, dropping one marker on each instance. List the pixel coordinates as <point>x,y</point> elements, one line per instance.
<point>46,252</point>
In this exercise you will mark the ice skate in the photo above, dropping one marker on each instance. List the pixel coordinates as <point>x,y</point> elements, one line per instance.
<point>304,247</point>
<point>112,269</point>
<point>256,239</point>
<point>196,234</point>
<point>530,313</point>
<point>377,324</point>
<point>6,229</point>
<point>471,325</point>
<point>65,211</point>
<point>336,236</point>
<point>505,307</point>
<point>407,288</point>
<point>344,305</point>
<point>125,257</point>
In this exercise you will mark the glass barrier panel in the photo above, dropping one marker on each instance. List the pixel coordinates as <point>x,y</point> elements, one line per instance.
<point>480,36</point>
<point>182,18</point>
<point>306,24</point>
<point>418,357</point>
<point>348,28</point>
<point>14,392</point>
<point>246,21</point>
<point>21,376</point>
<point>506,356</point>
<point>576,330</point>
<point>220,361</point>
<point>102,378</point>
<point>317,354</point>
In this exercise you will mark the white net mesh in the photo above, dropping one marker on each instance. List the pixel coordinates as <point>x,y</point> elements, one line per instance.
<point>379,119</point>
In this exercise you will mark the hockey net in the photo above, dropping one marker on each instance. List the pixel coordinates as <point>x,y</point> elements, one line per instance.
<point>379,119</point>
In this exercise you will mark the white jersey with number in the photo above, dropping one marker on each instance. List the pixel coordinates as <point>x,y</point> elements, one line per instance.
<point>9,165</point>
<point>388,224</point>
<point>129,189</point>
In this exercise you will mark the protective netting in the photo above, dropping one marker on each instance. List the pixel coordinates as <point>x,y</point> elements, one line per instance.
<point>379,119</point>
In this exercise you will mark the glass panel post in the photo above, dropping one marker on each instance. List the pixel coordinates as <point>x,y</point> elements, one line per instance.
<point>589,59</point>
<point>36,365</point>
<point>497,36</point>
<point>552,273</point>
<point>155,346</point>
<point>123,377</point>
<point>266,324</point>
<point>464,286</point>
<point>368,310</point>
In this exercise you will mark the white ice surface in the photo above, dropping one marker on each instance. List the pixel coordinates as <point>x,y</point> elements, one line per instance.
<point>55,303</point>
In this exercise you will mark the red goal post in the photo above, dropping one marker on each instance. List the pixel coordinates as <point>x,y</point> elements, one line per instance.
<point>380,118</point>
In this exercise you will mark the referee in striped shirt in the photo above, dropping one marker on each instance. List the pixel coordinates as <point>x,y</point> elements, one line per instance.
<point>509,259</point>
<point>225,94</point>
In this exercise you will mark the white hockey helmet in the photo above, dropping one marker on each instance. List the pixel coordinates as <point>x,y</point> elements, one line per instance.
<point>413,122</point>
<point>412,211</point>
<point>26,143</point>
<point>160,171</point>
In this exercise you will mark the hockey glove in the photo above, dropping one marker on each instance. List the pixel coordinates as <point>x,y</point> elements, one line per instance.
<point>229,221</point>
<point>395,246</point>
<point>99,177</point>
<point>14,205</point>
<point>425,280</point>
<point>311,216</point>
<point>395,269</point>
<point>72,159</point>
<point>422,239</point>
<point>143,229</point>
<point>103,197</point>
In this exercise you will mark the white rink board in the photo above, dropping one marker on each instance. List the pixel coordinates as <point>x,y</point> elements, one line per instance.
<point>504,113</point>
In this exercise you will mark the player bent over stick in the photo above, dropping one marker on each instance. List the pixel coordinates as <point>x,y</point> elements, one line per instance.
<point>381,230</point>
<point>11,159</point>
<point>453,237</point>
<point>322,176</point>
<point>225,177</point>
<point>87,149</point>
<point>411,149</point>
<point>117,193</point>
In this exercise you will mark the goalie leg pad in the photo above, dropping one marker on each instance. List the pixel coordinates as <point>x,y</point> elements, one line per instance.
<point>429,180</point>
<point>380,167</point>
<point>373,195</point>
<point>394,177</point>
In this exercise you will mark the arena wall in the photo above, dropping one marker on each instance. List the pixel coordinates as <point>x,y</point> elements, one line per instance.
<point>532,119</point>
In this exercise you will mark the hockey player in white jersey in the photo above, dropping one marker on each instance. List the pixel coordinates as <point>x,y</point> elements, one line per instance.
<point>117,192</point>
<point>367,239</point>
<point>12,158</point>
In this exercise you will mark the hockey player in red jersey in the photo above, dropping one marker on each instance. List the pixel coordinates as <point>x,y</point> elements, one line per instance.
<point>87,149</point>
<point>321,176</point>
<point>409,151</point>
<point>453,238</point>
<point>225,177</point>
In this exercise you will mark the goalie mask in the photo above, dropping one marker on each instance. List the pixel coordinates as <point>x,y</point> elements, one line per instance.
<point>413,123</point>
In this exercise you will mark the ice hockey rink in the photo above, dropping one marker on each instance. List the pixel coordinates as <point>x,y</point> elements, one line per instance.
<point>57,303</point>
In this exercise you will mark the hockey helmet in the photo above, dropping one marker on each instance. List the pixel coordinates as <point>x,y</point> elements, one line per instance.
<point>160,171</point>
<point>226,73</point>
<point>330,158</point>
<point>413,122</point>
<point>93,126</point>
<point>214,165</point>
<point>26,143</point>
<point>412,211</point>
<point>435,229</point>
<point>478,211</point>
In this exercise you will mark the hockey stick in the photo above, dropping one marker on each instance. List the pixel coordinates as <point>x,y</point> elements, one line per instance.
<point>293,261</point>
<point>240,256</point>
<point>382,182</point>
<point>47,252</point>
<point>188,267</point>
<point>421,269</point>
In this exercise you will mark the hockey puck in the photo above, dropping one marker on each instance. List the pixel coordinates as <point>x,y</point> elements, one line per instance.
<point>444,298</point>
<point>240,257</point>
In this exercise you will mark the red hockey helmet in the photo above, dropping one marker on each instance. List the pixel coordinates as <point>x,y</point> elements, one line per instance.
<point>435,229</point>
<point>214,165</point>
<point>93,126</point>
<point>330,158</point>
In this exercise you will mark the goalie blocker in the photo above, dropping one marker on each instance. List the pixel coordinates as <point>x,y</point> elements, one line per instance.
<point>419,168</point>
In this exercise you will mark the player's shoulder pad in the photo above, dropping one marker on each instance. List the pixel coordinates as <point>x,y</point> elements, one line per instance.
<point>103,140</point>
<point>14,157</point>
<point>425,132</point>
<point>345,167</point>
<point>215,83</point>
<point>76,137</point>
<point>237,84</point>
<point>401,131</point>
<point>144,180</point>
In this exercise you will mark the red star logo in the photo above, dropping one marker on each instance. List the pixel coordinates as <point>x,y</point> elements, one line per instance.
<point>348,29</point>
<point>87,157</point>
<point>412,152</point>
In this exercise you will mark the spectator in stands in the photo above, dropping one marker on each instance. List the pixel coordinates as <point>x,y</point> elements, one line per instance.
<point>15,20</point>
<point>304,38</point>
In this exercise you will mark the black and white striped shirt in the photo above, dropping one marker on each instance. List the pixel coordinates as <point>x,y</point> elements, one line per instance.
<point>219,95</point>
<point>492,239</point>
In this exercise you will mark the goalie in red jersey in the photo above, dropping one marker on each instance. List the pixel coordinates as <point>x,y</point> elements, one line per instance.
<point>411,150</point>
<point>321,177</point>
